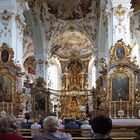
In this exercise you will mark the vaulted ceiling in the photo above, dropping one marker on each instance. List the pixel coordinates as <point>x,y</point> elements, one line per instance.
<point>56,17</point>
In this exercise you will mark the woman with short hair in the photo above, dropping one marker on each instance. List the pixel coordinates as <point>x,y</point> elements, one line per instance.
<point>8,129</point>
<point>51,125</point>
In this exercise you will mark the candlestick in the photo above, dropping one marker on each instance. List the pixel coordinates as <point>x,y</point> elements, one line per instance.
<point>7,107</point>
<point>132,109</point>
<point>114,109</point>
<point>3,105</point>
<point>127,109</point>
<point>110,109</point>
<point>12,109</point>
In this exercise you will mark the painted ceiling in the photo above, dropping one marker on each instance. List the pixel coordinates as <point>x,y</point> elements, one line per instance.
<point>69,9</point>
<point>71,44</point>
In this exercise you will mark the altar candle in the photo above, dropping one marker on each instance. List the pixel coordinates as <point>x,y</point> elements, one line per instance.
<point>3,105</point>
<point>12,109</point>
<point>109,109</point>
<point>7,107</point>
<point>132,109</point>
<point>127,109</point>
<point>114,109</point>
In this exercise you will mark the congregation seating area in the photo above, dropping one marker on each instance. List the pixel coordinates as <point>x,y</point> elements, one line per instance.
<point>118,133</point>
<point>76,133</point>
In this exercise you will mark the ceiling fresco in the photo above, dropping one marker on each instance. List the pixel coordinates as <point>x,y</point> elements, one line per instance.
<point>69,9</point>
<point>71,44</point>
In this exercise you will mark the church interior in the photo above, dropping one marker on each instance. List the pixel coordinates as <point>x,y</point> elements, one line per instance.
<point>71,58</point>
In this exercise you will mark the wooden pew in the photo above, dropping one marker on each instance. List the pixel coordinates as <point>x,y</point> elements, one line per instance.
<point>76,133</point>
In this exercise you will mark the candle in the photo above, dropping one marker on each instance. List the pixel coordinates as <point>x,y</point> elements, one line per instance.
<point>3,105</point>
<point>7,107</point>
<point>127,109</point>
<point>132,109</point>
<point>12,109</point>
<point>109,109</point>
<point>114,109</point>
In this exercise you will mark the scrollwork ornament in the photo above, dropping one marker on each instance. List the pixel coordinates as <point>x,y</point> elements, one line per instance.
<point>5,17</point>
<point>119,12</point>
<point>137,96</point>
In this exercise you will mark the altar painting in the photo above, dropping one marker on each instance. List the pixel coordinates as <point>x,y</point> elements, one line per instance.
<point>120,87</point>
<point>5,89</point>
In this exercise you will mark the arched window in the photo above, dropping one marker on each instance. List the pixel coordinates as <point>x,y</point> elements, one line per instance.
<point>52,77</point>
<point>92,73</point>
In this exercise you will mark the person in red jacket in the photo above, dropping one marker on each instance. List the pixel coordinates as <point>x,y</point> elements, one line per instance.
<point>8,129</point>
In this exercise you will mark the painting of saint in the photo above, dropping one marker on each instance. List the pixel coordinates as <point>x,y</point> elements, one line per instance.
<point>120,87</point>
<point>5,89</point>
<point>120,52</point>
<point>4,56</point>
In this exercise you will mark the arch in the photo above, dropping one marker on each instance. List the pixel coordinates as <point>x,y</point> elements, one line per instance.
<point>70,43</point>
<point>53,72</point>
<point>92,73</point>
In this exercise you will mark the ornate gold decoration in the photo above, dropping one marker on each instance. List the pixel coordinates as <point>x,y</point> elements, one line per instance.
<point>137,96</point>
<point>4,71</point>
<point>120,52</point>
<point>6,54</point>
<point>19,97</point>
<point>73,103</point>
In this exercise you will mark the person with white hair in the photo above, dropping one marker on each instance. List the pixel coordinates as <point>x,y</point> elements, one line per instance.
<point>51,125</point>
<point>9,129</point>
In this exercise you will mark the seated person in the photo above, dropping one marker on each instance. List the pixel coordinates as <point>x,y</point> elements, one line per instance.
<point>86,130</point>
<point>35,127</point>
<point>101,126</point>
<point>8,129</point>
<point>71,124</point>
<point>51,125</point>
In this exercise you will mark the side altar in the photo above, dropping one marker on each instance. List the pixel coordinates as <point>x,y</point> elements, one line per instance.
<point>117,90</point>
<point>11,95</point>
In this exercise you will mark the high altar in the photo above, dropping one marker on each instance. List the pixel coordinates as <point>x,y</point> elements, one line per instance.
<point>117,90</point>
<point>74,95</point>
